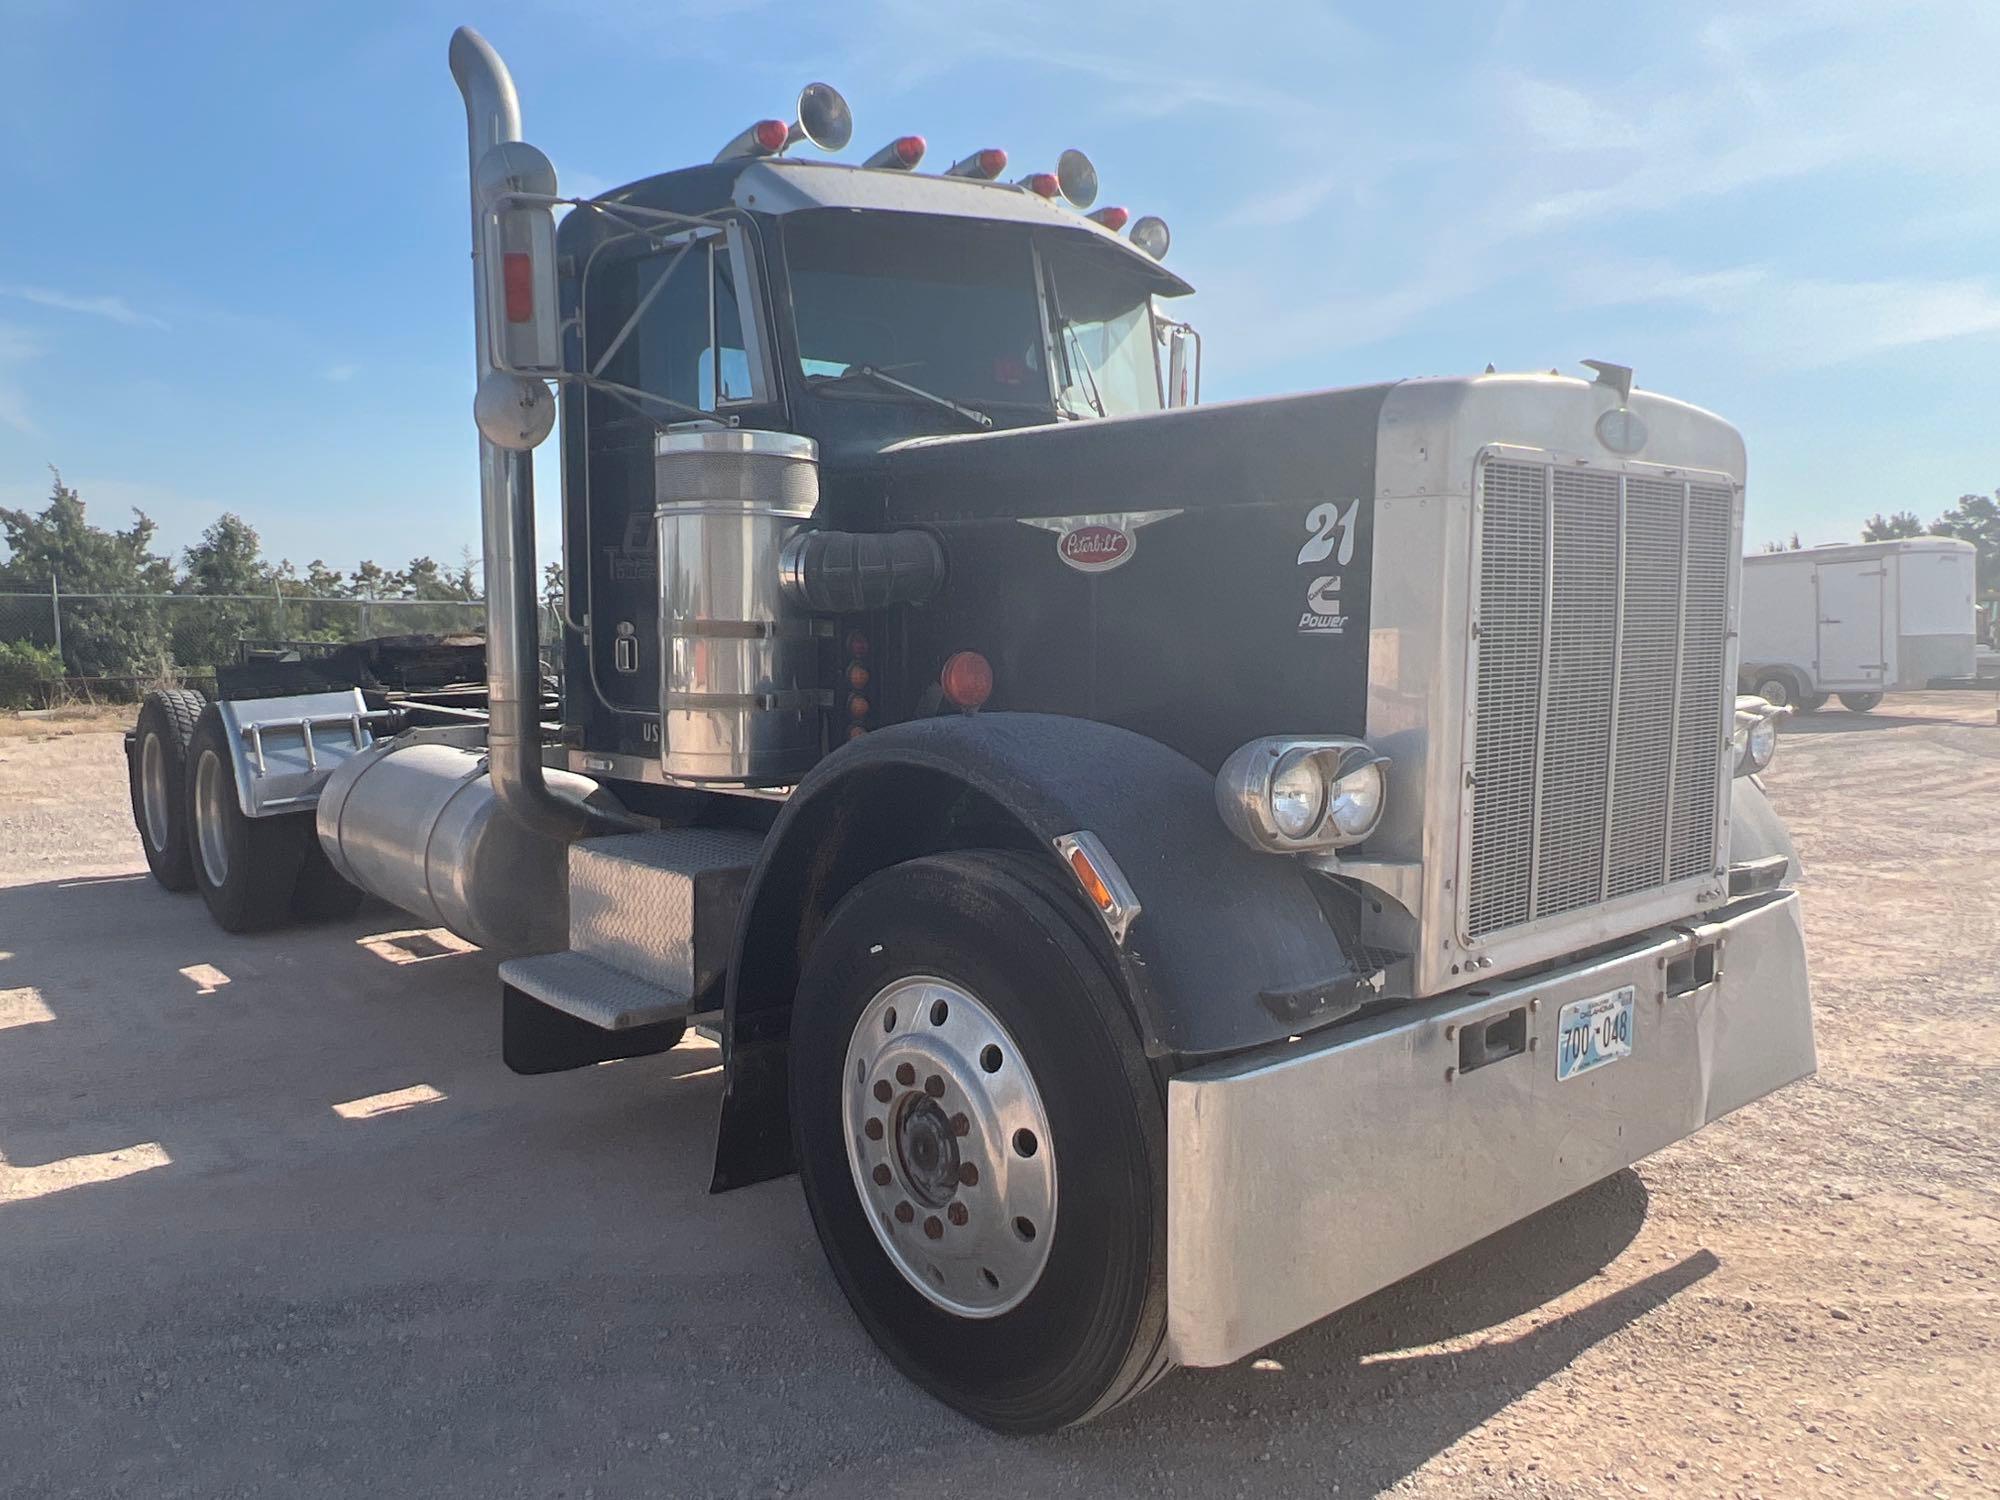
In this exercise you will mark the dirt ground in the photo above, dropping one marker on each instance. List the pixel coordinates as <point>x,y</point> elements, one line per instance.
<point>275,1220</point>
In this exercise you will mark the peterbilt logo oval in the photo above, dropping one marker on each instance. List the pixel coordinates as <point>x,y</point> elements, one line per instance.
<point>1094,548</point>
<point>1097,543</point>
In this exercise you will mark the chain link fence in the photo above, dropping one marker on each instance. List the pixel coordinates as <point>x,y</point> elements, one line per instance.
<point>116,645</point>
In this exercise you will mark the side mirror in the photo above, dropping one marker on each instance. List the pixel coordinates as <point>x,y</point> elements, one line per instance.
<point>1183,364</point>
<point>514,186</point>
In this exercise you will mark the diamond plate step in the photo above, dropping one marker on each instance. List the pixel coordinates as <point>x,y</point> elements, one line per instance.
<point>661,906</point>
<point>579,985</point>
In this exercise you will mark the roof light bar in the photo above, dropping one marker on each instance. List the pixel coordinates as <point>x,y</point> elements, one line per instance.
<point>985,165</point>
<point>821,118</point>
<point>900,155</point>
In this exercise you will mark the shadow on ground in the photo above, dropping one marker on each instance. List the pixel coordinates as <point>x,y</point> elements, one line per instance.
<point>273,1218</point>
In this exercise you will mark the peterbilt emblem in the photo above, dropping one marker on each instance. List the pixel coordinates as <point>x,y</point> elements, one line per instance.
<point>1098,543</point>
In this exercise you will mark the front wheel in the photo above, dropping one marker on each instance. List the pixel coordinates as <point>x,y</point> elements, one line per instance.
<point>1860,703</point>
<point>982,1142</point>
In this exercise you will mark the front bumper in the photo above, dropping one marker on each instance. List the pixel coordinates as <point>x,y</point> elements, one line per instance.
<point>1303,1177</point>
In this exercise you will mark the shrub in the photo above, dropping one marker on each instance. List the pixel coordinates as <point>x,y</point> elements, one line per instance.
<point>26,671</point>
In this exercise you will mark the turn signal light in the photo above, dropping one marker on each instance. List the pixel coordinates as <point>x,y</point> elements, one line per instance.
<point>1092,882</point>
<point>967,680</point>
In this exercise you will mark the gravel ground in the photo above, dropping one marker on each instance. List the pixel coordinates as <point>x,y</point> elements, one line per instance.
<point>214,1281</point>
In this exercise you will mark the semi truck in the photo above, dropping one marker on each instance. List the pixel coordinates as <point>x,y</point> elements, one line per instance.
<point>1158,871</point>
<point>1859,620</point>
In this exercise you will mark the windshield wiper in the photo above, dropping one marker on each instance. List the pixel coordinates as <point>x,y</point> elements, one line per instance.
<point>1073,349</point>
<point>869,372</point>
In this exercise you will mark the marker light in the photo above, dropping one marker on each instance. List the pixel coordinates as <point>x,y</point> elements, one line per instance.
<point>967,680</point>
<point>771,134</point>
<point>1112,219</point>
<point>900,155</point>
<point>985,165</point>
<point>1150,235</point>
<point>1077,178</point>
<point>518,268</point>
<point>1042,184</point>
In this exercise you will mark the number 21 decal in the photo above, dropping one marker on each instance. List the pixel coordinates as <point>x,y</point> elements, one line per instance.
<point>1329,527</point>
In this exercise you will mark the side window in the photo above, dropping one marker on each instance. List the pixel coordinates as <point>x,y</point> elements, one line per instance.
<point>686,342</point>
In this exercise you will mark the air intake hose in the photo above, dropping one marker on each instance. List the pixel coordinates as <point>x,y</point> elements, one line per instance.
<point>849,572</point>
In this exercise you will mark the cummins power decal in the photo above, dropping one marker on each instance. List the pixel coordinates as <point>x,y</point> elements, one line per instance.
<point>1098,543</point>
<point>1329,539</point>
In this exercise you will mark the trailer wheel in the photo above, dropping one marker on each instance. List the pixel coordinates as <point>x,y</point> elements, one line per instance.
<point>245,868</point>
<point>1860,703</point>
<point>1812,703</point>
<point>982,1143</point>
<point>1779,689</point>
<point>156,767</point>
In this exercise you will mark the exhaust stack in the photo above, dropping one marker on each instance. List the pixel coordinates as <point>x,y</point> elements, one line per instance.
<point>507,508</point>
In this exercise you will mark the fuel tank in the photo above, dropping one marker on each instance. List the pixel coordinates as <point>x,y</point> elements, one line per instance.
<point>418,824</point>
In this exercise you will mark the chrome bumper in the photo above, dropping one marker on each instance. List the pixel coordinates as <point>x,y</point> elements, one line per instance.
<point>1304,1177</point>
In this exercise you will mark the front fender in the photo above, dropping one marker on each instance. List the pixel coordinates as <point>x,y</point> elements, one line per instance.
<point>1232,948</point>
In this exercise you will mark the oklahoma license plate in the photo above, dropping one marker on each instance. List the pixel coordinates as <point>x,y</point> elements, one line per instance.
<point>1593,1032</point>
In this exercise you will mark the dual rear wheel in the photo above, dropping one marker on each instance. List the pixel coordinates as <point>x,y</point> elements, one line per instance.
<point>253,873</point>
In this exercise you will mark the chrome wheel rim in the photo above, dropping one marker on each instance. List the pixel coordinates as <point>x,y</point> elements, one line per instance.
<point>211,785</point>
<point>1775,692</point>
<point>153,791</point>
<point>949,1146</point>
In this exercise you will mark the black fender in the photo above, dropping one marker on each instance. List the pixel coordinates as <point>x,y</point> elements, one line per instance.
<point>1233,948</point>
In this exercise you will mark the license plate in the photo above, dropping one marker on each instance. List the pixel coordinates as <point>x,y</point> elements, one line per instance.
<point>1593,1032</point>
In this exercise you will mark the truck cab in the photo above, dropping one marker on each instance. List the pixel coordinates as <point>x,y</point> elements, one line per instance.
<point>1159,871</point>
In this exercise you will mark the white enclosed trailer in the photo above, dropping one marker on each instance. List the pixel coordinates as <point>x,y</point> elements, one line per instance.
<point>1858,620</point>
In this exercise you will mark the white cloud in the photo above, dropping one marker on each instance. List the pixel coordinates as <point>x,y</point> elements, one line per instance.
<point>116,309</point>
<point>342,373</point>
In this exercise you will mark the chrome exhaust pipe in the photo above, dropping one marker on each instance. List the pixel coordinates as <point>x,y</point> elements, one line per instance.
<point>507,511</point>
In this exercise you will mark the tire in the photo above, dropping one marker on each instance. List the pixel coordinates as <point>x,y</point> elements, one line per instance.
<point>1813,704</point>
<point>1078,1323</point>
<point>1779,689</point>
<point>322,894</point>
<point>156,768</point>
<point>245,868</point>
<point>1860,703</point>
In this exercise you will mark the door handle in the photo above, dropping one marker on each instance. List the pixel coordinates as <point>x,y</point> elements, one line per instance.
<point>1829,622</point>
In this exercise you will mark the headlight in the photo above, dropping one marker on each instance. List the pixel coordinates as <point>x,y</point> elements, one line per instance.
<point>1299,796</point>
<point>1756,736</point>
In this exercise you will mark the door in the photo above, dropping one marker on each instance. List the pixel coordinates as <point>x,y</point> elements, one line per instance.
<point>1850,625</point>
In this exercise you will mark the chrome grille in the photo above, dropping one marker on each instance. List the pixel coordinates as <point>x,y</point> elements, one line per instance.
<point>1600,655</point>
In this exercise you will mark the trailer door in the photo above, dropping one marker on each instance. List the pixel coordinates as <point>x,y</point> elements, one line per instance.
<point>1850,624</point>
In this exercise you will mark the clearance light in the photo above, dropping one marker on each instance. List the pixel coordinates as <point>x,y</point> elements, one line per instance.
<point>1150,235</point>
<point>1103,884</point>
<point>900,155</point>
<point>771,135</point>
<point>1112,219</point>
<point>1042,184</point>
<point>985,165</point>
<point>967,681</point>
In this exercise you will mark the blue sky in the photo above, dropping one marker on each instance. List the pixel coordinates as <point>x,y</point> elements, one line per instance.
<point>233,274</point>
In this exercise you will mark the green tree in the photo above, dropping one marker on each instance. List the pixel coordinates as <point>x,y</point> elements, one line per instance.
<point>1976,519</point>
<point>227,565</point>
<point>102,637</point>
<point>1903,523</point>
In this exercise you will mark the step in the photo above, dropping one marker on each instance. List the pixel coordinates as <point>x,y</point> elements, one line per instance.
<point>581,986</point>
<point>662,906</point>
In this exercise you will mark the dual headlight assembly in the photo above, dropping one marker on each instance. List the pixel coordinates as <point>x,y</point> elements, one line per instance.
<point>1298,796</point>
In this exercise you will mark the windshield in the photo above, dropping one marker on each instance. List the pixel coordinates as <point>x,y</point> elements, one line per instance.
<point>950,308</point>
<point>1104,325</point>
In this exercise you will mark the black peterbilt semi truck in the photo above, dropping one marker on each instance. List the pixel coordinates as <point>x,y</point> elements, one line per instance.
<point>1159,872</point>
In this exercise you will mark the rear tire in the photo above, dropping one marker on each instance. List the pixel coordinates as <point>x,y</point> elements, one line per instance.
<point>245,868</point>
<point>1778,689</point>
<point>1813,704</point>
<point>1860,703</point>
<point>983,967</point>
<point>156,768</point>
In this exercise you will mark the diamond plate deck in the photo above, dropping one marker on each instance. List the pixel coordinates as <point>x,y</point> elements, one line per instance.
<point>632,898</point>
<point>592,991</point>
